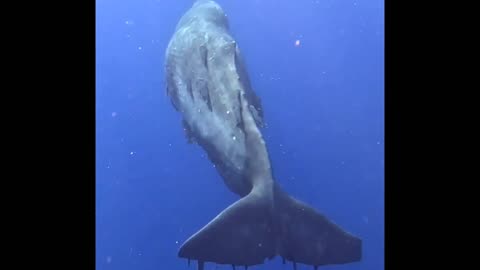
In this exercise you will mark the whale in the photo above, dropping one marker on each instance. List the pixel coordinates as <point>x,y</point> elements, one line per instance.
<point>208,84</point>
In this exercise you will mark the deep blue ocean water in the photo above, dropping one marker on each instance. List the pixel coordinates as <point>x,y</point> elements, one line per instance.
<point>324,108</point>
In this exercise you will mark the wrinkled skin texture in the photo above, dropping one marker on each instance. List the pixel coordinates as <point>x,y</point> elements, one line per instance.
<point>205,74</point>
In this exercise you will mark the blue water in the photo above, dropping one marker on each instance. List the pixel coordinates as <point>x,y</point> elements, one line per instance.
<point>323,103</point>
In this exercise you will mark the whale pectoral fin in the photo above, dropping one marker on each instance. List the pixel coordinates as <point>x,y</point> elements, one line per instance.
<point>240,235</point>
<point>310,238</point>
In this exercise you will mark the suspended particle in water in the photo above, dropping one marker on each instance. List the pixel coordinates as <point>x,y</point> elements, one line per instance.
<point>297,42</point>
<point>365,219</point>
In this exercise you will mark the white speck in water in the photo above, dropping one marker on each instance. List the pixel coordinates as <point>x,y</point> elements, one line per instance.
<point>176,242</point>
<point>114,114</point>
<point>228,112</point>
<point>140,47</point>
<point>234,138</point>
<point>378,142</point>
<point>109,259</point>
<point>170,144</point>
<point>260,244</point>
<point>365,219</point>
<point>131,153</point>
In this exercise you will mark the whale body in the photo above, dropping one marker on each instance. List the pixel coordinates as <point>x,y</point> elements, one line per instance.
<point>208,84</point>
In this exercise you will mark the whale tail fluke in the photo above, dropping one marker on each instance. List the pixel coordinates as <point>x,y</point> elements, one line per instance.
<point>240,235</point>
<point>253,229</point>
<point>308,237</point>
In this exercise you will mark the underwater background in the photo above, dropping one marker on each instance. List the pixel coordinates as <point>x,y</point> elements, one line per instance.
<point>318,67</point>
